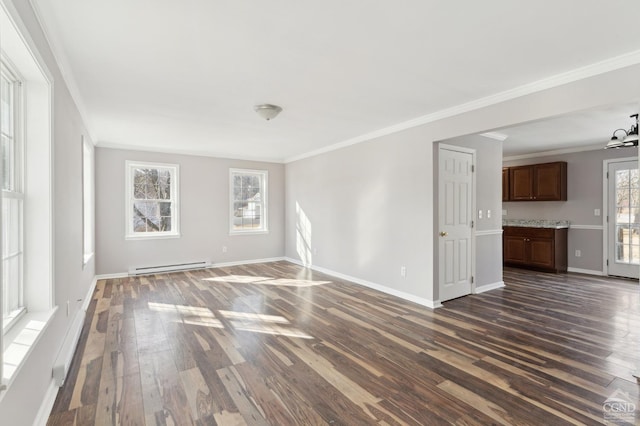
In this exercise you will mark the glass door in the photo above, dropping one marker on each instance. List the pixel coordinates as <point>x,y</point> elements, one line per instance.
<point>624,219</point>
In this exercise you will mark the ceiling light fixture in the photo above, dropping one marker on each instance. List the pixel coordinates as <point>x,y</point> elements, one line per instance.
<point>630,137</point>
<point>267,111</point>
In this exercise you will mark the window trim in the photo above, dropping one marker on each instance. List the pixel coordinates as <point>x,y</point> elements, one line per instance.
<point>264,193</point>
<point>130,166</point>
<point>21,52</point>
<point>17,192</point>
<point>88,200</point>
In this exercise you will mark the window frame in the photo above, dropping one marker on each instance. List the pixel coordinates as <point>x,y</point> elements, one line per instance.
<point>17,192</point>
<point>174,169</point>
<point>264,194</point>
<point>88,200</point>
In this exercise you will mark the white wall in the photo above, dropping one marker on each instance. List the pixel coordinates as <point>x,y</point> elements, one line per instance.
<point>370,205</point>
<point>584,194</point>
<point>24,397</point>
<point>204,214</point>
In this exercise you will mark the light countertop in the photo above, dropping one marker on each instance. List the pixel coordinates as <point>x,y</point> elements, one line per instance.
<point>536,223</point>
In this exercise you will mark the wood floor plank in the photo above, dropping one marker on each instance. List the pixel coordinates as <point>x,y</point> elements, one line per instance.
<point>278,344</point>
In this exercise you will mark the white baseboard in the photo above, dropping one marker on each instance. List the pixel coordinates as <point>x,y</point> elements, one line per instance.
<point>246,262</point>
<point>112,276</point>
<point>488,287</point>
<point>213,265</point>
<point>47,405</point>
<point>585,271</point>
<point>89,296</point>
<point>432,304</point>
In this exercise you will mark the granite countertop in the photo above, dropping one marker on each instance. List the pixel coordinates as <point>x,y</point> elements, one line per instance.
<point>536,223</point>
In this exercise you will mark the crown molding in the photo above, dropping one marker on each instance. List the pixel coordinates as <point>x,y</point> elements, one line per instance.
<point>602,67</point>
<point>495,135</point>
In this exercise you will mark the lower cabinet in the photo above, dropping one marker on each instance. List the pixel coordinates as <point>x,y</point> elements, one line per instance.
<point>535,248</point>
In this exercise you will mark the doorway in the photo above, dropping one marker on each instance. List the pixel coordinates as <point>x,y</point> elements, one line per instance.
<point>455,221</point>
<point>623,218</point>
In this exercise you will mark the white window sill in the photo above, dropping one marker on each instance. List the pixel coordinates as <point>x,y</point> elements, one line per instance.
<point>20,341</point>
<point>151,236</point>
<point>264,231</point>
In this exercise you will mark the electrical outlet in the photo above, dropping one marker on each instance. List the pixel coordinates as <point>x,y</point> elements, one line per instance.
<point>403,271</point>
<point>224,249</point>
<point>578,253</point>
<point>488,214</point>
<point>479,214</point>
<point>596,212</point>
<point>504,212</point>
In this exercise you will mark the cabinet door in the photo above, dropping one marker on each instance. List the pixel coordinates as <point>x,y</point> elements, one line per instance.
<point>505,184</point>
<point>550,182</point>
<point>514,250</point>
<point>521,183</point>
<point>541,252</point>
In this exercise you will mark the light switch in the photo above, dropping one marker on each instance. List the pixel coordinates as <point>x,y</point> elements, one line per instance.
<point>479,214</point>
<point>596,212</point>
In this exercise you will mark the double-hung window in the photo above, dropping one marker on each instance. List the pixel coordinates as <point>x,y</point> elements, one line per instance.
<point>12,197</point>
<point>248,191</point>
<point>152,200</point>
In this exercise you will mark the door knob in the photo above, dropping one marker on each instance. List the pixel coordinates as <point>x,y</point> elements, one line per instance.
<point>443,234</point>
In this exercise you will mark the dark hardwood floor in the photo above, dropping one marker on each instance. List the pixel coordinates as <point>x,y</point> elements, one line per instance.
<point>276,344</point>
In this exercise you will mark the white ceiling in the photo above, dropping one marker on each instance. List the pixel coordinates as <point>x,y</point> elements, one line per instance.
<point>580,130</point>
<point>183,76</point>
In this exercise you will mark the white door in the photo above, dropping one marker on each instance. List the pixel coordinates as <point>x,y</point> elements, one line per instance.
<point>623,219</point>
<point>455,218</point>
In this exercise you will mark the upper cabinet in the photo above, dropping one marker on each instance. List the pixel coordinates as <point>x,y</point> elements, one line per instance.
<point>536,182</point>
<point>505,184</point>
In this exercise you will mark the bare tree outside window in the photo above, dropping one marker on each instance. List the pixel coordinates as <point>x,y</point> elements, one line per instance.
<point>153,203</point>
<point>628,216</point>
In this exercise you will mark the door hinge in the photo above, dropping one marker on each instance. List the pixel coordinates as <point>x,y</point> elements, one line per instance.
<point>473,168</point>
<point>472,279</point>
<point>607,218</point>
<point>607,175</point>
<point>472,223</point>
<point>607,262</point>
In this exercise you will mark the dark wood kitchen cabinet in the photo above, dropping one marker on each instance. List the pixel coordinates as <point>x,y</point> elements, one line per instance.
<point>538,182</point>
<point>535,248</point>
<point>505,184</point>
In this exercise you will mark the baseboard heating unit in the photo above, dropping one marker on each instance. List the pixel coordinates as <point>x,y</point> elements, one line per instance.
<point>144,270</point>
<point>63,360</point>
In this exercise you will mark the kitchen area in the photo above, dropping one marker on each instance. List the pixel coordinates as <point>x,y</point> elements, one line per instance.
<point>555,208</point>
<point>535,243</point>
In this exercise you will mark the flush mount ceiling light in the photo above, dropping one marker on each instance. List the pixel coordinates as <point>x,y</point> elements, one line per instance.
<point>630,137</point>
<point>267,111</point>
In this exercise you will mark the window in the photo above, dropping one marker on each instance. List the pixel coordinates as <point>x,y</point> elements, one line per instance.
<point>26,246</point>
<point>87,201</point>
<point>12,198</point>
<point>248,204</point>
<point>152,194</point>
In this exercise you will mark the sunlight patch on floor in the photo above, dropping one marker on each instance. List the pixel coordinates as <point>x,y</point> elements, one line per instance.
<point>284,282</point>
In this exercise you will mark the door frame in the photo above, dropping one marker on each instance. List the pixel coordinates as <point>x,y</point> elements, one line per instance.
<point>605,207</point>
<point>472,207</point>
